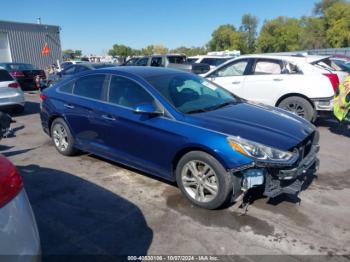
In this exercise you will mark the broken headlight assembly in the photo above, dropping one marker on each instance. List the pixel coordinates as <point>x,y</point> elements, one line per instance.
<point>261,153</point>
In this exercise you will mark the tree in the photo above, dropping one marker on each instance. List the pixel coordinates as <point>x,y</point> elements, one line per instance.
<point>282,34</point>
<point>77,53</point>
<point>226,37</point>
<point>249,28</point>
<point>314,33</point>
<point>121,50</point>
<point>189,51</point>
<point>321,6</point>
<point>154,49</point>
<point>70,53</point>
<point>337,19</point>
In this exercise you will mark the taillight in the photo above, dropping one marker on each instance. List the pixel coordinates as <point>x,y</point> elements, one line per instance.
<point>42,97</point>
<point>10,181</point>
<point>334,80</point>
<point>17,74</point>
<point>14,85</point>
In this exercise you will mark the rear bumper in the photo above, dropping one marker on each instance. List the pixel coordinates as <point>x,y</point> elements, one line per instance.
<point>15,99</point>
<point>18,230</point>
<point>323,104</point>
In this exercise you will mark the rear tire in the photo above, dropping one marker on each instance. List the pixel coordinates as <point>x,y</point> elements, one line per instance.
<point>62,138</point>
<point>204,181</point>
<point>300,106</point>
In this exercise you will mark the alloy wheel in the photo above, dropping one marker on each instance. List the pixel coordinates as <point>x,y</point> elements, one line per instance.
<point>200,181</point>
<point>60,137</point>
<point>295,108</point>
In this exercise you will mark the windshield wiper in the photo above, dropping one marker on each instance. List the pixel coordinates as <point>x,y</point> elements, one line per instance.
<point>222,105</point>
<point>196,111</point>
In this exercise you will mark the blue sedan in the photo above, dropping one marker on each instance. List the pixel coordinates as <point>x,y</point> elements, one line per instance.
<point>183,128</point>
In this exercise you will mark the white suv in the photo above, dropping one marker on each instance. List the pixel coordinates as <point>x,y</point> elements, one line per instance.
<point>291,83</point>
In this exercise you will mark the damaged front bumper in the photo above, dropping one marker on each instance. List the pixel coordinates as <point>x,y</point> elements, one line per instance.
<point>290,181</point>
<point>277,180</point>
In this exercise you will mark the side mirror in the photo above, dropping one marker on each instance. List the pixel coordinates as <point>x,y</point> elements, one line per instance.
<point>200,68</point>
<point>147,109</point>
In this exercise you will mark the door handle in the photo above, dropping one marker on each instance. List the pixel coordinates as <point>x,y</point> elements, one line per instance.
<point>278,79</point>
<point>236,82</point>
<point>108,117</point>
<point>68,106</point>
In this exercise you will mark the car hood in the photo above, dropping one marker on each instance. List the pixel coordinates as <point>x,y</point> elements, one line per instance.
<point>256,122</point>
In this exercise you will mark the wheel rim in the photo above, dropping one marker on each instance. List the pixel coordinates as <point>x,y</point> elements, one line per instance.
<point>295,108</point>
<point>60,137</point>
<point>200,181</point>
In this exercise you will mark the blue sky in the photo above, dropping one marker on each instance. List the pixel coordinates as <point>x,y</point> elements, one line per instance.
<point>94,26</point>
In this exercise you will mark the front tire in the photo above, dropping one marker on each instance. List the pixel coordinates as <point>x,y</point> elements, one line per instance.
<point>203,180</point>
<point>62,138</point>
<point>299,106</point>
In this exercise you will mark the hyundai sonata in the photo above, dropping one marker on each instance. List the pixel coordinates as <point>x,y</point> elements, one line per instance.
<point>181,127</point>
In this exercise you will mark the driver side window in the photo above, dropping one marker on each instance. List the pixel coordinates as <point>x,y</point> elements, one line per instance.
<point>236,68</point>
<point>127,93</point>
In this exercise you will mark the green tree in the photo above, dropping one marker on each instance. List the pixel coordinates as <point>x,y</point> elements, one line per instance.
<point>314,33</point>
<point>78,53</point>
<point>120,50</point>
<point>154,49</point>
<point>321,6</point>
<point>189,51</point>
<point>226,37</point>
<point>249,28</point>
<point>282,34</point>
<point>337,20</point>
<point>68,53</point>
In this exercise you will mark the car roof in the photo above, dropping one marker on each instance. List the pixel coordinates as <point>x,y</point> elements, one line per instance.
<point>142,71</point>
<point>211,56</point>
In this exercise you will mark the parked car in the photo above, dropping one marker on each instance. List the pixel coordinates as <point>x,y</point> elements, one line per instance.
<point>183,128</point>
<point>27,75</point>
<point>176,61</point>
<point>326,63</point>
<point>132,61</point>
<point>66,64</point>
<point>212,61</point>
<point>291,83</point>
<point>340,64</point>
<point>19,234</point>
<point>11,94</point>
<point>75,69</point>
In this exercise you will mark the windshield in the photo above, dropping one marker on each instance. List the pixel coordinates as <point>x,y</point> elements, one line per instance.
<point>191,94</point>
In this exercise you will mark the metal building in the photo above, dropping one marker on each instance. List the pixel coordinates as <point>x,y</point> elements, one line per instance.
<point>25,42</point>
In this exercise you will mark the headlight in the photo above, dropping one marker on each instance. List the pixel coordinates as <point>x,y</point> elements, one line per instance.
<point>260,152</point>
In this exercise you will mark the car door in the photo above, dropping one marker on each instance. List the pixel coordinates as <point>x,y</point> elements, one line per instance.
<point>81,109</point>
<point>231,76</point>
<point>265,81</point>
<point>141,141</point>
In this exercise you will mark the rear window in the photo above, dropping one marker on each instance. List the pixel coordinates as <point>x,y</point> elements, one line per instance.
<point>21,67</point>
<point>213,61</point>
<point>90,86</point>
<point>5,76</point>
<point>177,59</point>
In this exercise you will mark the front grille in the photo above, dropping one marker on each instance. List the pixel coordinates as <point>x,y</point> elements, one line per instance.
<point>305,146</point>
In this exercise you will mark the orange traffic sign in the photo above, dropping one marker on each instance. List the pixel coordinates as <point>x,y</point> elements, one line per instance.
<point>46,50</point>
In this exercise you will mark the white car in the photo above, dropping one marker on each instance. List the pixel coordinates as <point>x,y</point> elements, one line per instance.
<point>291,83</point>
<point>11,94</point>
<point>212,61</point>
